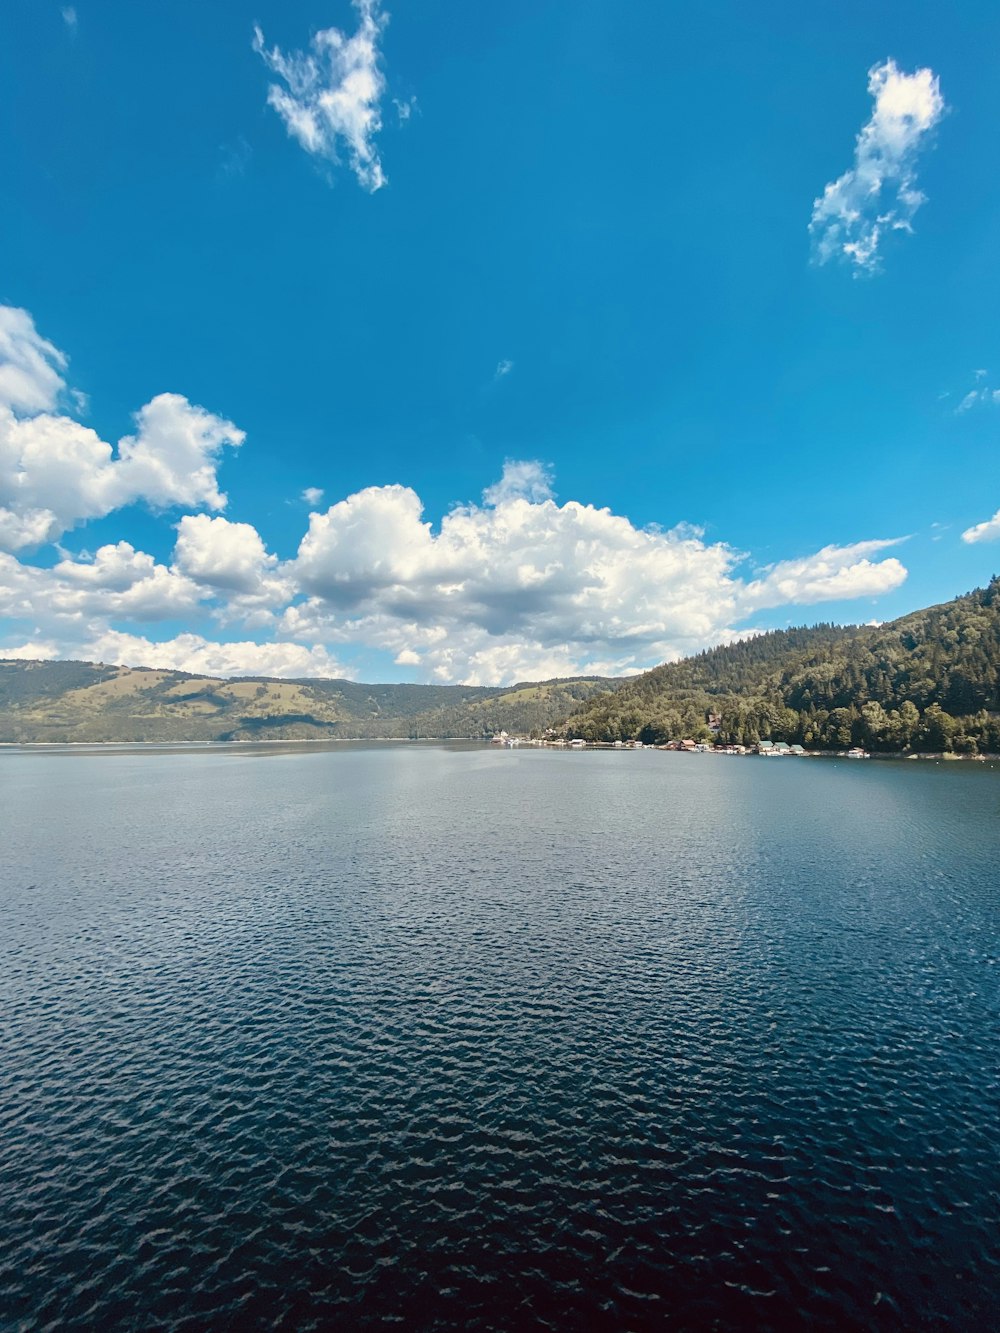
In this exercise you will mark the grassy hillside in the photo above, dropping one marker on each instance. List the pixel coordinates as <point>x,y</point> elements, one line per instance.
<point>78,701</point>
<point>928,681</point>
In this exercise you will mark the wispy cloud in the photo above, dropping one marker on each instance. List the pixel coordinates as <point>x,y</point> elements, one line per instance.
<point>504,367</point>
<point>522,479</point>
<point>70,18</point>
<point>234,158</point>
<point>878,194</point>
<point>312,495</point>
<point>329,96</point>
<point>981,394</point>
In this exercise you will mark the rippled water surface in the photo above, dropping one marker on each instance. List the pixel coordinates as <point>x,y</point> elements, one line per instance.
<point>455,1038</point>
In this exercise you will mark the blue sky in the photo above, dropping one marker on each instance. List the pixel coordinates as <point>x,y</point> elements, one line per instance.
<point>570,241</point>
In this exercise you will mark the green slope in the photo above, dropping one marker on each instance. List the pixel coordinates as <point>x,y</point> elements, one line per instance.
<point>81,702</point>
<point>928,681</point>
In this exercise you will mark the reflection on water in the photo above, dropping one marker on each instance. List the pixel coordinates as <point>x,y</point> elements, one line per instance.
<point>497,1039</point>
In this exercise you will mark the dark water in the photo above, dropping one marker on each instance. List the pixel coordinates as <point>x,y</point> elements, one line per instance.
<point>501,1040</point>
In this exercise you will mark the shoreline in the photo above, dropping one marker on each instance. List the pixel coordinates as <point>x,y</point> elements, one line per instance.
<point>943,756</point>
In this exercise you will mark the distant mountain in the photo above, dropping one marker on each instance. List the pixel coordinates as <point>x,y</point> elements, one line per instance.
<point>928,681</point>
<point>81,701</point>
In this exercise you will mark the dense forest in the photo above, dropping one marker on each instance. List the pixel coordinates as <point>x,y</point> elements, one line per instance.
<point>927,682</point>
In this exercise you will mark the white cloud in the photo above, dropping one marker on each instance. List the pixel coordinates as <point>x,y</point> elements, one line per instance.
<point>515,587</point>
<point>330,95</point>
<point>221,554</point>
<point>521,480</point>
<point>977,397</point>
<point>118,583</point>
<point>504,367</point>
<point>55,473</point>
<point>879,193</point>
<point>70,18</point>
<point>522,586</point>
<point>35,650</point>
<point>191,652</point>
<point>988,531</point>
<point>312,495</point>
<point>31,368</point>
<point>836,573</point>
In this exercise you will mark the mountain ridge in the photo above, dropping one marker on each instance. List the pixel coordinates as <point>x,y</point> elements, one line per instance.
<point>63,702</point>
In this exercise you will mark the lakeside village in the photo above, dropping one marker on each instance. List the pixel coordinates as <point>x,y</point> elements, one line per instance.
<point>766,749</point>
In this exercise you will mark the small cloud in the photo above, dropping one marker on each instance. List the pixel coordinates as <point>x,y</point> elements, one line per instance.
<point>405,107</point>
<point>525,479</point>
<point>234,158</point>
<point>978,396</point>
<point>879,194</point>
<point>988,531</point>
<point>70,18</point>
<point>312,495</point>
<point>833,574</point>
<point>407,658</point>
<point>329,96</point>
<point>504,367</point>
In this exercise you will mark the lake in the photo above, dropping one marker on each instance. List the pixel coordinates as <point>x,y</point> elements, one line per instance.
<point>462,1037</point>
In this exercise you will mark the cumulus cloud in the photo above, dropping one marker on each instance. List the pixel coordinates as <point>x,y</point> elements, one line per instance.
<point>312,495</point>
<point>878,194</point>
<point>221,554</point>
<point>987,531</point>
<point>517,586</point>
<point>118,583</point>
<point>522,586</point>
<point>329,96</point>
<point>55,472</point>
<point>525,480</point>
<point>191,652</point>
<point>836,573</point>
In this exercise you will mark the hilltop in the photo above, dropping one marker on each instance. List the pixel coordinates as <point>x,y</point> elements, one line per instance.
<point>928,681</point>
<point>84,701</point>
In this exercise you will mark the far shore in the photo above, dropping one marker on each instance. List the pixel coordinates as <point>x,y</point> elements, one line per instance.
<point>485,742</point>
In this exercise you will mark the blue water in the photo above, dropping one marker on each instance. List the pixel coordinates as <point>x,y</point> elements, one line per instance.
<point>463,1038</point>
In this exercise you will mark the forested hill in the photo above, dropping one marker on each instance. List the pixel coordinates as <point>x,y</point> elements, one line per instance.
<point>929,681</point>
<point>84,702</point>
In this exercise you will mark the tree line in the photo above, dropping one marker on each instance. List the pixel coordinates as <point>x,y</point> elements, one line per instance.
<point>929,681</point>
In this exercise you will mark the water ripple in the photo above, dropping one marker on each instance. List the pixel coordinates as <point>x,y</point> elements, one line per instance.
<point>455,1039</point>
